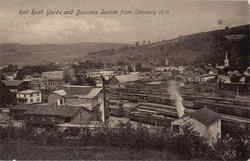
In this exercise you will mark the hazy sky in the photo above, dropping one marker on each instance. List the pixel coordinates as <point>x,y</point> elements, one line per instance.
<point>184,17</point>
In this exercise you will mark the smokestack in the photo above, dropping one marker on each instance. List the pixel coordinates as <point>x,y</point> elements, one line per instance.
<point>174,94</point>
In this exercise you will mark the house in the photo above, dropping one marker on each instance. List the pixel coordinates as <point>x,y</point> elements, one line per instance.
<point>29,97</point>
<point>204,121</point>
<point>87,97</point>
<point>51,115</point>
<point>207,77</point>
<point>162,68</point>
<point>224,79</point>
<point>34,81</point>
<point>52,80</point>
<point>97,73</point>
<point>181,69</point>
<point>15,85</point>
<point>57,97</point>
<point>113,82</point>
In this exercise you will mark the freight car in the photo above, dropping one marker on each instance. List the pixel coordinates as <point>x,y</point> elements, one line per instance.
<point>186,96</point>
<point>153,119</point>
<point>224,108</point>
<point>154,114</point>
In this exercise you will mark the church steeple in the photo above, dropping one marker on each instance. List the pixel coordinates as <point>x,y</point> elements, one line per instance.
<point>226,61</point>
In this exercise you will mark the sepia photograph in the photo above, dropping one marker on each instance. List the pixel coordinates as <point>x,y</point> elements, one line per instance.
<point>125,80</point>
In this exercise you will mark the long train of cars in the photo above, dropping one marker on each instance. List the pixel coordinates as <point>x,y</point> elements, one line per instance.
<point>227,107</point>
<point>154,114</point>
<point>186,96</point>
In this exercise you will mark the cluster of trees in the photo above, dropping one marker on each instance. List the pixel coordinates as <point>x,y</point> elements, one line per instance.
<point>6,97</point>
<point>29,70</point>
<point>10,68</point>
<point>188,144</point>
<point>75,74</point>
<point>88,65</point>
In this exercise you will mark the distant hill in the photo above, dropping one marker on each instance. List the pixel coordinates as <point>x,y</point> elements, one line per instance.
<point>200,48</point>
<point>35,54</point>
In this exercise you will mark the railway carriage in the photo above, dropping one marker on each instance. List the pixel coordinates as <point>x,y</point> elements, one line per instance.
<point>224,108</point>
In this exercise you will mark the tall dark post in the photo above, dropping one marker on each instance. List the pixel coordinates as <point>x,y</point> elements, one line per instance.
<point>104,98</point>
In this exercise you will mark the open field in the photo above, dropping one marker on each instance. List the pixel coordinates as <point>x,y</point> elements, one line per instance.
<point>34,152</point>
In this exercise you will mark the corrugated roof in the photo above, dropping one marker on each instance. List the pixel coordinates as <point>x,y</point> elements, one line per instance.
<point>205,116</point>
<point>52,110</point>
<point>87,92</point>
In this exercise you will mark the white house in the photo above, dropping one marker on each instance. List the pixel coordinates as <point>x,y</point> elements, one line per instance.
<point>29,97</point>
<point>204,121</point>
<point>207,77</point>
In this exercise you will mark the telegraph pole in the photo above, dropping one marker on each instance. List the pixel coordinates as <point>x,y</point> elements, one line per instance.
<point>104,99</point>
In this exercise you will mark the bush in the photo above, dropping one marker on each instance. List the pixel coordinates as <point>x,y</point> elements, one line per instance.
<point>188,143</point>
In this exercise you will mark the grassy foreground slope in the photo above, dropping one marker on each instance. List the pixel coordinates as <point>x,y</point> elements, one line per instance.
<point>31,152</point>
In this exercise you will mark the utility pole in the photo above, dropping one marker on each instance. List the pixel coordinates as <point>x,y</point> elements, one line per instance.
<point>104,100</point>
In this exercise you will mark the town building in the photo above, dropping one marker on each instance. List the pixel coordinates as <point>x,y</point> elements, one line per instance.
<point>87,97</point>
<point>29,97</point>
<point>204,121</point>
<point>162,68</point>
<point>52,80</point>
<point>208,77</point>
<point>97,73</point>
<point>52,115</point>
<point>113,82</point>
<point>34,81</point>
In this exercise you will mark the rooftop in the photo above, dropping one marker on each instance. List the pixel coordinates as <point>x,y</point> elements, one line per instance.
<point>28,91</point>
<point>128,78</point>
<point>53,75</point>
<point>52,110</point>
<point>205,116</point>
<point>87,92</point>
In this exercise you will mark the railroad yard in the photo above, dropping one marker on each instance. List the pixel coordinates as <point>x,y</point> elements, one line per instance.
<point>157,108</point>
